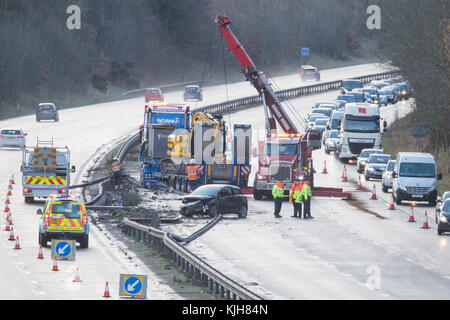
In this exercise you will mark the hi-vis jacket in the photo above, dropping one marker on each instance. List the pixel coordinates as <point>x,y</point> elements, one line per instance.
<point>277,190</point>
<point>193,172</point>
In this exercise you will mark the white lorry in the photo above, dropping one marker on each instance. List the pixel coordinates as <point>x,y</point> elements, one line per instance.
<point>415,178</point>
<point>360,129</point>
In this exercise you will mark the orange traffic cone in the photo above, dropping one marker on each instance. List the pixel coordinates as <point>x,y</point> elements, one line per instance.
<point>344,174</point>
<point>359,186</point>
<point>7,228</point>
<point>324,167</point>
<point>11,234</point>
<point>374,193</point>
<point>12,179</point>
<point>77,276</point>
<point>7,200</point>
<point>6,207</point>
<point>40,254</point>
<point>391,205</point>
<point>425,224</point>
<point>55,265</point>
<point>106,294</point>
<point>17,246</point>
<point>411,216</point>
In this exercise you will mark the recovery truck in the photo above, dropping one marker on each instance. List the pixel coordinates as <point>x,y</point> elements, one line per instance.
<point>283,156</point>
<point>45,171</point>
<point>173,135</point>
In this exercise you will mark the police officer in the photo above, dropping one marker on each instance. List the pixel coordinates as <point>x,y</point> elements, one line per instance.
<point>278,194</point>
<point>193,173</point>
<point>116,169</point>
<point>307,193</point>
<point>296,197</point>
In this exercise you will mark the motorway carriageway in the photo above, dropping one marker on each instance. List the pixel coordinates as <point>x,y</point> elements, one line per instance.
<point>90,130</point>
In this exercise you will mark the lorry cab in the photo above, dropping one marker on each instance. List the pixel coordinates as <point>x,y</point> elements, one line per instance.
<point>360,129</point>
<point>415,177</point>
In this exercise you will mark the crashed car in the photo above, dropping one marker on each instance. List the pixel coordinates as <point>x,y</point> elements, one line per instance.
<point>215,199</point>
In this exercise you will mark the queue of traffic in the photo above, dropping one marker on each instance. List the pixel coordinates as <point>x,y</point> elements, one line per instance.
<point>351,129</point>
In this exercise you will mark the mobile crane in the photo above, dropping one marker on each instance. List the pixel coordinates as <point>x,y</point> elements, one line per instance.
<point>283,156</point>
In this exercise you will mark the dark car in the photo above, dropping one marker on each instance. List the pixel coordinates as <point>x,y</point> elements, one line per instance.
<point>439,202</point>
<point>346,97</point>
<point>193,92</point>
<point>349,84</point>
<point>359,95</point>
<point>443,220</point>
<point>46,111</point>
<point>309,73</point>
<point>214,199</point>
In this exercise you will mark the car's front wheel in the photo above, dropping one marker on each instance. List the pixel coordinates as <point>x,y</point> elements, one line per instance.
<point>213,212</point>
<point>243,212</point>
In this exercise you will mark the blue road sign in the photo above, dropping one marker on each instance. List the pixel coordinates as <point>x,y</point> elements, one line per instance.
<point>133,285</point>
<point>305,51</point>
<point>63,249</point>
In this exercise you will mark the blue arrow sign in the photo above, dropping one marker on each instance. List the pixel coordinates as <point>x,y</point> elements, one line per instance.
<point>305,51</point>
<point>133,285</point>
<point>63,248</point>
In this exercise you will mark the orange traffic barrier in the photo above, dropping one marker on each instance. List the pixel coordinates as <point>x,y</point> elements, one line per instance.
<point>391,204</point>
<point>425,224</point>
<point>40,254</point>
<point>77,276</point>
<point>411,216</point>
<point>17,246</point>
<point>106,293</point>
<point>374,193</point>
<point>11,234</point>
<point>359,186</point>
<point>55,264</point>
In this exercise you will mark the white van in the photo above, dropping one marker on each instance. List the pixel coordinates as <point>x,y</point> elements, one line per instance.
<point>415,177</point>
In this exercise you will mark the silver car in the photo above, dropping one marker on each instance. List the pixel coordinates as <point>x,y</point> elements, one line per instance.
<point>376,164</point>
<point>386,178</point>
<point>440,202</point>
<point>363,157</point>
<point>12,138</point>
<point>331,140</point>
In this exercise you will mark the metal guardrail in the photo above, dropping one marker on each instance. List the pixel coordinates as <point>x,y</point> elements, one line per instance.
<point>198,269</point>
<point>236,104</point>
<point>164,86</point>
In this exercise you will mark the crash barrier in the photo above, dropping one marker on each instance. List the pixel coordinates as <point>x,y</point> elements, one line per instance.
<point>237,104</point>
<point>194,266</point>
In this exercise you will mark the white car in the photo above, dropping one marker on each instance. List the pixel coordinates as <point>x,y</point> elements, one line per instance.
<point>386,178</point>
<point>331,140</point>
<point>12,138</point>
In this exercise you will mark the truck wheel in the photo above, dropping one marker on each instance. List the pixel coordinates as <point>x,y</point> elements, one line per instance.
<point>385,189</point>
<point>84,242</point>
<point>243,212</point>
<point>398,200</point>
<point>29,199</point>
<point>257,195</point>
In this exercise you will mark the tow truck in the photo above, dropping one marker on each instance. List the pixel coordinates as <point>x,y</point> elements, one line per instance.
<point>282,156</point>
<point>173,134</point>
<point>45,170</point>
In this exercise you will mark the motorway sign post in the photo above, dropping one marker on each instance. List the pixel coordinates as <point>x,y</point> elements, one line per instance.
<point>63,249</point>
<point>132,285</point>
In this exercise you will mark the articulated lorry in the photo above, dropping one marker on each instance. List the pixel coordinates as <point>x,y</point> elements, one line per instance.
<point>45,171</point>
<point>360,129</point>
<point>173,135</point>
